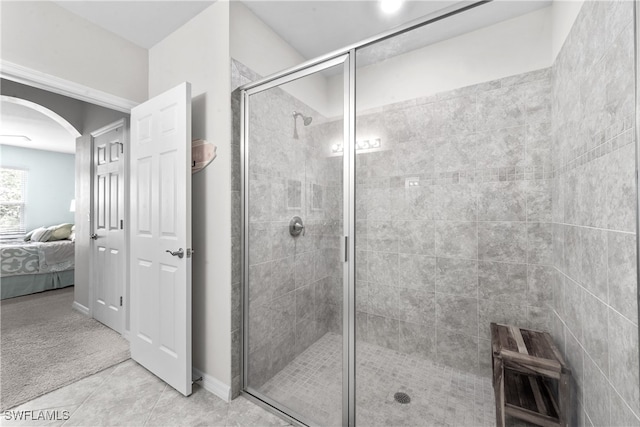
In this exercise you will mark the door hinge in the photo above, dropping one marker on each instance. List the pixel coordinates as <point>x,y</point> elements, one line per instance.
<point>121,224</point>
<point>120,301</point>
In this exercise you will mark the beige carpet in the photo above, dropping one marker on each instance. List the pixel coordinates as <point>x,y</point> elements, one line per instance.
<point>45,345</point>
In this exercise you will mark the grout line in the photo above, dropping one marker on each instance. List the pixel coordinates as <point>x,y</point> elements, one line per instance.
<point>92,393</point>
<point>585,352</point>
<point>597,298</point>
<point>595,228</point>
<point>146,422</point>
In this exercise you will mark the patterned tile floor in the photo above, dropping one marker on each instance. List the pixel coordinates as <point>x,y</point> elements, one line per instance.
<point>440,396</point>
<point>129,395</point>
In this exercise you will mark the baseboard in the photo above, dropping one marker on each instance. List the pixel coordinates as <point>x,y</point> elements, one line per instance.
<point>213,385</point>
<point>81,308</point>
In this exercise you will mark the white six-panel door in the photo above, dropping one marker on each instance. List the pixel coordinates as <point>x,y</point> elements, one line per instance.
<point>161,222</point>
<point>108,245</point>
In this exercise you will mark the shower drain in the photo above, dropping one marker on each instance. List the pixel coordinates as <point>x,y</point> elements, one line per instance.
<point>401,397</point>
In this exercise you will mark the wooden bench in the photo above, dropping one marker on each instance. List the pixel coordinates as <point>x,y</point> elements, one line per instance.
<point>530,377</point>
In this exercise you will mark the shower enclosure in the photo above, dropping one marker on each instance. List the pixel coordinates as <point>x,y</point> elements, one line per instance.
<point>400,194</point>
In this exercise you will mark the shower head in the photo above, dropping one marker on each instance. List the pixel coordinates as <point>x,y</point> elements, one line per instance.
<point>306,120</point>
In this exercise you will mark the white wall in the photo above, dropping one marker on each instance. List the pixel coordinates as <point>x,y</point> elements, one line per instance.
<point>510,47</point>
<point>564,14</point>
<point>257,46</point>
<point>198,52</point>
<point>46,37</point>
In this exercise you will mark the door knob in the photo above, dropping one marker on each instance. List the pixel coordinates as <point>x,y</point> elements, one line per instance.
<point>179,253</point>
<point>93,236</point>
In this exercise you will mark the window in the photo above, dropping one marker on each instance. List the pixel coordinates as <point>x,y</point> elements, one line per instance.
<point>13,184</point>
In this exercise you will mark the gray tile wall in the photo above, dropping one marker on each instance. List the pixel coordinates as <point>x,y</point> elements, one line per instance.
<point>595,291</point>
<point>472,243</point>
<point>294,291</point>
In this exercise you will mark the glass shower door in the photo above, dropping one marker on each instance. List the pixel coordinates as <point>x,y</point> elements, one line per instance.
<point>294,277</point>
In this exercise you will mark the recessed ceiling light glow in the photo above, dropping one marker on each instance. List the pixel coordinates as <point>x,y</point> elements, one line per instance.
<point>391,6</point>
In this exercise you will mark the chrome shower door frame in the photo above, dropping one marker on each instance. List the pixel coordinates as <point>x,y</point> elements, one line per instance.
<point>636,51</point>
<point>347,248</point>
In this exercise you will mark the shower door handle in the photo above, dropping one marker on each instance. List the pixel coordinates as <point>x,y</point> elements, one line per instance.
<point>346,248</point>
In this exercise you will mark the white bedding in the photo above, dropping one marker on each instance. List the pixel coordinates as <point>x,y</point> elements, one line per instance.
<point>56,256</point>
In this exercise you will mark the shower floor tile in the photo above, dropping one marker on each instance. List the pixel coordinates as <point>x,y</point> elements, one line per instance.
<point>440,396</point>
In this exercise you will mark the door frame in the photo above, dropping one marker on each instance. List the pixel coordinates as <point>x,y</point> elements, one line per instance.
<point>40,80</point>
<point>125,289</point>
<point>347,60</point>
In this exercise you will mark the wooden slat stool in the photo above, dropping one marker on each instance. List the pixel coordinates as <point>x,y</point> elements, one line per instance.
<point>530,377</point>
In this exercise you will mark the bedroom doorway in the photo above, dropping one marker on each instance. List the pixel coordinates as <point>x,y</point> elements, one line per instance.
<point>108,244</point>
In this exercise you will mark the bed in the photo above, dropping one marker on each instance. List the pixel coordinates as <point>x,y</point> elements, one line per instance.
<point>29,267</point>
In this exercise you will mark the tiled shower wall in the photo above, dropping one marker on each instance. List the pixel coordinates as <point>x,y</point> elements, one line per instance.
<point>454,219</point>
<point>295,282</point>
<point>438,261</point>
<point>595,292</point>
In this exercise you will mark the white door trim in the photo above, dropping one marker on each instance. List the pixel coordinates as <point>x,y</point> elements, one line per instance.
<point>30,77</point>
<point>125,179</point>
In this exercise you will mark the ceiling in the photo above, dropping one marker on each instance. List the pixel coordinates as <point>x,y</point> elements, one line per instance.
<point>143,23</point>
<point>312,27</point>
<point>43,132</point>
<point>315,27</point>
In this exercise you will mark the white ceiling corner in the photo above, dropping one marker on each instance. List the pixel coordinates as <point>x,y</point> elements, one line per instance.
<point>143,23</point>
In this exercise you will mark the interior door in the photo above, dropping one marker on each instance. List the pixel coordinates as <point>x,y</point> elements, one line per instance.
<point>160,236</point>
<point>108,247</point>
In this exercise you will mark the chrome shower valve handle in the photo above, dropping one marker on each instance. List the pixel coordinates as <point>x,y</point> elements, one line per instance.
<point>296,227</point>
